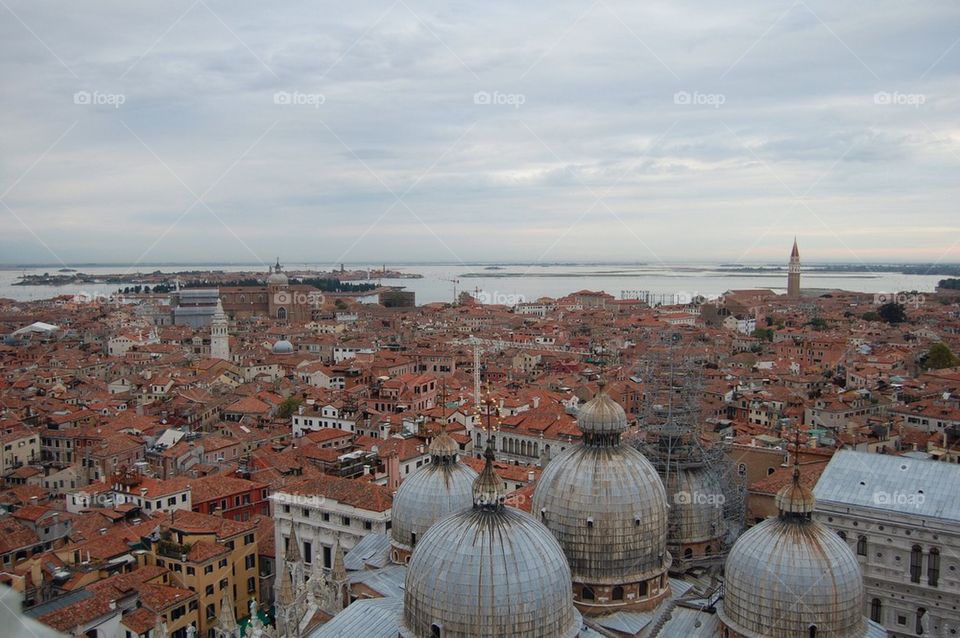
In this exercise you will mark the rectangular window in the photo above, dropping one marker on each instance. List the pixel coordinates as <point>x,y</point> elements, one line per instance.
<point>307,552</point>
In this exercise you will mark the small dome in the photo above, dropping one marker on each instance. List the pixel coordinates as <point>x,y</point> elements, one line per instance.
<point>443,446</point>
<point>489,571</point>
<point>602,415</point>
<point>795,498</point>
<point>783,577</point>
<point>277,278</point>
<point>282,347</point>
<point>438,489</point>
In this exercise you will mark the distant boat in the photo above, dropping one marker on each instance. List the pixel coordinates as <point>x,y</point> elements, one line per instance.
<point>66,270</point>
<point>494,268</point>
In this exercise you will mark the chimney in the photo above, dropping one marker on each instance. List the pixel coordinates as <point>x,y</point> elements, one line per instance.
<point>531,476</point>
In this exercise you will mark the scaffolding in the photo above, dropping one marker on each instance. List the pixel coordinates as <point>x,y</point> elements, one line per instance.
<point>705,493</point>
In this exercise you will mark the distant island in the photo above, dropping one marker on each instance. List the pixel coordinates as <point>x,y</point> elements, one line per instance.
<point>160,281</point>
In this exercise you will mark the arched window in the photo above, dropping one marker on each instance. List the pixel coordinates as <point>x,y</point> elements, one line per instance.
<point>688,553</point>
<point>281,314</point>
<point>919,628</point>
<point>742,469</point>
<point>861,545</point>
<point>812,631</point>
<point>842,534</point>
<point>587,593</point>
<point>933,567</point>
<point>707,551</point>
<point>435,631</point>
<point>643,588</point>
<point>876,610</point>
<point>916,563</point>
<point>413,539</point>
<point>617,593</point>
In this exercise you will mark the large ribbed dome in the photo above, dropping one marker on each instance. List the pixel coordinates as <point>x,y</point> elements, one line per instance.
<point>790,574</point>
<point>440,488</point>
<point>489,571</point>
<point>696,512</point>
<point>606,505</point>
<point>608,509</point>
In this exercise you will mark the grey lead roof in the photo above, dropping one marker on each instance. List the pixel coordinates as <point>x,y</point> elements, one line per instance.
<point>370,618</point>
<point>373,550</point>
<point>891,483</point>
<point>388,582</point>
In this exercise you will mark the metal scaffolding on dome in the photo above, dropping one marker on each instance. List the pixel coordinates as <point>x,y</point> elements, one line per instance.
<point>705,493</point>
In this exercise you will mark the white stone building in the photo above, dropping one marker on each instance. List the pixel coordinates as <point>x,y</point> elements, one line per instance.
<point>901,516</point>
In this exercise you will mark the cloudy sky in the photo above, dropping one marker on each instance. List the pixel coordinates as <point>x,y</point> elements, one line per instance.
<point>207,130</point>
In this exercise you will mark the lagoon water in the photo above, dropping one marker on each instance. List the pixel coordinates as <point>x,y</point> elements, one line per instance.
<point>512,283</point>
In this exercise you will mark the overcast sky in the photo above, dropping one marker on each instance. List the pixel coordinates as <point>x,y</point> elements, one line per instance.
<point>205,130</point>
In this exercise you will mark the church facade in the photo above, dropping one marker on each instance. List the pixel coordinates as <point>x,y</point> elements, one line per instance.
<point>277,299</point>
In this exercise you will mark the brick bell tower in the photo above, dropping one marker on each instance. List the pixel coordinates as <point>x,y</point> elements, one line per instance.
<point>793,272</point>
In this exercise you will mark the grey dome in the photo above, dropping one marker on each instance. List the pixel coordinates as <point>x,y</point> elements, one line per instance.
<point>282,347</point>
<point>790,573</point>
<point>696,506</point>
<point>608,509</point>
<point>601,415</point>
<point>782,577</point>
<point>438,489</point>
<point>277,278</point>
<point>489,571</point>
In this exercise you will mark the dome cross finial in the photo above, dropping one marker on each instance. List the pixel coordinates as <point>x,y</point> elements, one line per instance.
<point>488,490</point>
